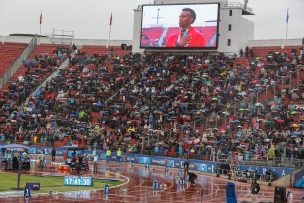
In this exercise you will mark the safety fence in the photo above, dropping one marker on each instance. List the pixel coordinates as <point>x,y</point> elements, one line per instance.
<point>206,166</point>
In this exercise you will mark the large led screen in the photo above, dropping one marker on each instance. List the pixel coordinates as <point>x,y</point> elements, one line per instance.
<point>180,26</point>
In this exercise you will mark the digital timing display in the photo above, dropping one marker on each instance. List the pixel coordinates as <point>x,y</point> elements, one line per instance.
<point>78,181</point>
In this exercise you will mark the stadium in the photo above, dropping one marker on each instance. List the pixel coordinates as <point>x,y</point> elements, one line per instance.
<point>192,109</point>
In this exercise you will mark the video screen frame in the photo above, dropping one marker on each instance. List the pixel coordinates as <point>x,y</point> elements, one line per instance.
<point>181,48</point>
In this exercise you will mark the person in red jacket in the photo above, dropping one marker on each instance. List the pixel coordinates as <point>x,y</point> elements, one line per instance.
<point>187,36</point>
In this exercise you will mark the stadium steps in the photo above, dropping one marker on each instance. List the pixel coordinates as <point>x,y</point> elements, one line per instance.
<point>9,52</point>
<point>270,94</point>
<point>20,72</point>
<point>39,49</point>
<point>103,50</point>
<point>264,50</point>
<point>54,73</point>
<point>243,61</point>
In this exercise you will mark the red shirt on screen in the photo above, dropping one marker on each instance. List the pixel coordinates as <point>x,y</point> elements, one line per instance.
<point>197,39</point>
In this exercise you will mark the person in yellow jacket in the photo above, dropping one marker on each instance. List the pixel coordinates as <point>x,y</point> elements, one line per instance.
<point>81,114</point>
<point>118,155</point>
<point>35,139</point>
<point>132,129</point>
<point>108,154</point>
<point>271,152</point>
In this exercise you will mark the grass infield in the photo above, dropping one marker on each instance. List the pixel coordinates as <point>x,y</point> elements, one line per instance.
<point>48,183</point>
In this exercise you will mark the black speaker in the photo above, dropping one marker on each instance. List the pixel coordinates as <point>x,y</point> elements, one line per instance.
<point>280,195</point>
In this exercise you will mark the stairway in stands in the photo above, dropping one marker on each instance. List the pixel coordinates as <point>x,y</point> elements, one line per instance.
<point>270,94</point>
<point>9,52</point>
<point>39,49</point>
<point>264,96</point>
<point>20,72</point>
<point>243,61</point>
<point>262,51</point>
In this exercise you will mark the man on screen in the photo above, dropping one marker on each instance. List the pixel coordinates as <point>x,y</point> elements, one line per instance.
<point>187,36</point>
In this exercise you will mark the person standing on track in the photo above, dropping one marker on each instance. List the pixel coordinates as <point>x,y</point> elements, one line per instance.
<point>118,155</point>
<point>95,159</point>
<point>108,154</point>
<point>53,154</point>
<point>255,189</point>
<point>186,167</point>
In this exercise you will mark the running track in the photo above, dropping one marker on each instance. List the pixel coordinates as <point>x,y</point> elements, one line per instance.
<point>138,183</point>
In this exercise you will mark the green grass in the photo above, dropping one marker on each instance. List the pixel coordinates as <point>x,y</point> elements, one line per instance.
<point>47,183</point>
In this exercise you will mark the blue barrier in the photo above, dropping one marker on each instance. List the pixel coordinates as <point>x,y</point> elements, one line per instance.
<point>279,171</point>
<point>197,165</point>
<point>230,193</point>
<point>299,179</point>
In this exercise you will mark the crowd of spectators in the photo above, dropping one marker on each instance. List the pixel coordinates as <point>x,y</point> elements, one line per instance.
<point>16,119</point>
<point>161,104</point>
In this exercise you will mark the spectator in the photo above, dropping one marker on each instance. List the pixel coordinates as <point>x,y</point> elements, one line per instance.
<point>95,161</point>
<point>118,155</point>
<point>53,154</point>
<point>241,53</point>
<point>108,154</point>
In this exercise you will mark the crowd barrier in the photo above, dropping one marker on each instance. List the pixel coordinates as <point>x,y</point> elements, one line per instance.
<point>211,167</point>
<point>245,159</point>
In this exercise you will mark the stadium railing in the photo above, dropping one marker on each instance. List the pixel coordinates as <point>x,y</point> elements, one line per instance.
<point>235,5</point>
<point>243,159</point>
<point>224,158</point>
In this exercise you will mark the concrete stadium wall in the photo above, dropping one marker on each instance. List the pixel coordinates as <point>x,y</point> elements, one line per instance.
<point>81,42</point>
<point>137,30</point>
<point>78,42</point>
<point>238,37</point>
<point>274,42</point>
<point>17,39</point>
<point>246,34</point>
<point>187,1</point>
<point>242,30</point>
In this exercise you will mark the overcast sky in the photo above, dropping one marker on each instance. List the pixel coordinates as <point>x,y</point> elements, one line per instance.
<point>90,18</point>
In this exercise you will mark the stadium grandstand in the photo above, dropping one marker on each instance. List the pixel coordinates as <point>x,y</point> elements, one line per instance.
<point>232,108</point>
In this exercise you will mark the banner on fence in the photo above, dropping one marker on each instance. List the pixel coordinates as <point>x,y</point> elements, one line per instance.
<point>197,165</point>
